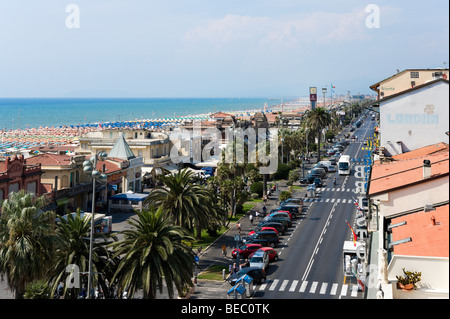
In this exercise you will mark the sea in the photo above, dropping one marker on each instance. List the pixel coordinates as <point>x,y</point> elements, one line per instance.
<point>23,113</point>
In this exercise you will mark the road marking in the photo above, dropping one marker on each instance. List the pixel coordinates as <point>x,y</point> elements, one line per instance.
<point>327,200</point>
<point>313,287</point>
<point>274,284</point>
<point>293,286</point>
<point>344,290</point>
<point>263,286</point>
<point>332,200</point>
<point>323,288</point>
<point>303,286</point>
<point>334,289</point>
<point>283,285</point>
<point>354,291</point>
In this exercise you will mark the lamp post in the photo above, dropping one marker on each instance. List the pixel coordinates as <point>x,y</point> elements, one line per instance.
<point>90,168</point>
<point>324,91</point>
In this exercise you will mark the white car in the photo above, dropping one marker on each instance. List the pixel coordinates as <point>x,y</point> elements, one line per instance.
<point>259,259</point>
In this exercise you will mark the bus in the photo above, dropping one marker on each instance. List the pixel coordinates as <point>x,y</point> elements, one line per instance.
<point>344,165</point>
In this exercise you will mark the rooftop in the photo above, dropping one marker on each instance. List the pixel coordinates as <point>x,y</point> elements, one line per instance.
<point>407,169</point>
<point>429,233</point>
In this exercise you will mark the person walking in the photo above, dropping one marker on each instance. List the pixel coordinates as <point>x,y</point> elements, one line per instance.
<point>251,219</point>
<point>238,225</point>
<point>224,250</point>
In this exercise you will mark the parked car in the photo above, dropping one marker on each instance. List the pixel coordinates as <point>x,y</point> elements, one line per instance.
<point>270,236</point>
<point>297,201</point>
<point>261,229</point>
<point>282,213</point>
<point>275,220</point>
<point>318,171</point>
<point>259,275</point>
<point>279,217</point>
<point>245,250</point>
<point>294,209</point>
<point>278,226</point>
<point>258,241</point>
<point>273,255</point>
<point>259,259</point>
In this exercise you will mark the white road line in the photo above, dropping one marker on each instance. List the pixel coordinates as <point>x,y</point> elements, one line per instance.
<point>263,286</point>
<point>334,289</point>
<point>327,200</point>
<point>323,288</point>
<point>293,286</point>
<point>313,287</point>
<point>354,291</point>
<point>274,284</point>
<point>283,285</point>
<point>303,286</point>
<point>332,200</point>
<point>344,290</point>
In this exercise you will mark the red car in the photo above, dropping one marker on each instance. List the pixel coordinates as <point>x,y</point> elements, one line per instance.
<point>264,229</point>
<point>245,250</point>
<point>273,255</point>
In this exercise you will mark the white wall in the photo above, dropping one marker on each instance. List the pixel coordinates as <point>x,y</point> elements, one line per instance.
<point>417,119</point>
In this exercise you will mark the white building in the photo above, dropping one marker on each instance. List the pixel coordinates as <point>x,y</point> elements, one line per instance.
<point>415,117</point>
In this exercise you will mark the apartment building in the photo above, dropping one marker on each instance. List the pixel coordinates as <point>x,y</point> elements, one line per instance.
<point>409,218</point>
<point>407,79</point>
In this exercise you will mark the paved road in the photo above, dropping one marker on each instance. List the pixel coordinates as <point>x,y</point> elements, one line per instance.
<point>311,263</point>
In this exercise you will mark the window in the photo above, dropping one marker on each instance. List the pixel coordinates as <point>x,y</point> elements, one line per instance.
<point>414,75</point>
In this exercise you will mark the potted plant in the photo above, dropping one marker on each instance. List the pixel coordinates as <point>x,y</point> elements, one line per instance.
<point>409,280</point>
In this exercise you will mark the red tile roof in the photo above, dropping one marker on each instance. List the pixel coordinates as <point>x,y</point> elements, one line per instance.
<point>49,160</point>
<point>407,168</point>
<point>428,238</point>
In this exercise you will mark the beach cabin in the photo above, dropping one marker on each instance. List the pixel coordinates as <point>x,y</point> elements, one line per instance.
<point>128,201</point>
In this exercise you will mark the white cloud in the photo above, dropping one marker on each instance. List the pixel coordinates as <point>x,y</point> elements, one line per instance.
<point>282,33</point>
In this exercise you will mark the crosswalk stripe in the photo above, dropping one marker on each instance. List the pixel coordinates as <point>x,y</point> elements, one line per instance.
<point>348,189</point>
<point>294,285</point>
<point>332,200</point>
<point>323,288</point>
<point>327,200</point>
<point>344,290</point>
<point>313,287</point>
<point>344,201</point>
<point>303,286</point>
<point>354,291</point>
<point>274,284</point>
<point>334,289</point>
<point>283,285</point>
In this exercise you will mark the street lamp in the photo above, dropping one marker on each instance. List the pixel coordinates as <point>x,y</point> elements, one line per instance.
<point>324,91</point>
<point>90,168</point>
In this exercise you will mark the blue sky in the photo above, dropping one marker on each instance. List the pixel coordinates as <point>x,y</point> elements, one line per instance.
<point>213,48</point>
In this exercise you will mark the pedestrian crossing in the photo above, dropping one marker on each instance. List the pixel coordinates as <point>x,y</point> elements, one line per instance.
<point>313,287</point>
<point>334,189</point>
<point>328,200</point>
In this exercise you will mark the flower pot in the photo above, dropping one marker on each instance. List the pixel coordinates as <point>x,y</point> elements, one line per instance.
<point>407,287</point>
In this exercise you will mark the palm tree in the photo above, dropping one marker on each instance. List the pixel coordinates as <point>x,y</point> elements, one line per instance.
<point>186,203</point>
<point>317,119</point>
<point>26,240</point>
<point>153,251</point>
<point>72,248</point>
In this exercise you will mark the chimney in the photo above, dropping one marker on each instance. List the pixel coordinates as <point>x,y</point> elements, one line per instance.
<point>426,169</point>
<point>433,220</point>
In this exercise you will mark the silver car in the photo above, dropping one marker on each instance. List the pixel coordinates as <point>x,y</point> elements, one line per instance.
<point>259,259</point>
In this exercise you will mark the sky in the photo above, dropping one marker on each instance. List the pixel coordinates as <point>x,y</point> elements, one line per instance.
<point>214,48</point>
